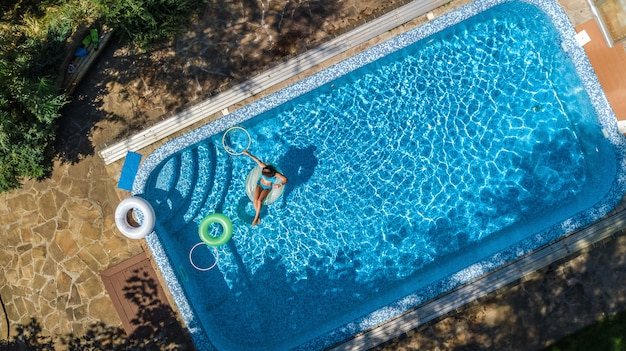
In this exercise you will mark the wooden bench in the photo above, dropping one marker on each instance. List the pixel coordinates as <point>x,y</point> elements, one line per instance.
<point>79,66</point>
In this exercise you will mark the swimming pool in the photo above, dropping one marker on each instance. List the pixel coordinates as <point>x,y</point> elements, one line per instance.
<point>414,167</point>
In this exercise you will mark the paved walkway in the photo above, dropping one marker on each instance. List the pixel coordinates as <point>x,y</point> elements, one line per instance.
<point>59,234</point>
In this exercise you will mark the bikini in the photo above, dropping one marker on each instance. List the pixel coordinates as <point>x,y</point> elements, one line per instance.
<point>268,180</point>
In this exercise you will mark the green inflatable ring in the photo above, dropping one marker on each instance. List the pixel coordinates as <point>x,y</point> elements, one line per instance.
<point>227,229</point>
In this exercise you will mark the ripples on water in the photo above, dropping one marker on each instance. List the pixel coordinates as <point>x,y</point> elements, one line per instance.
<point>423,153</point>
<point>411,159</point>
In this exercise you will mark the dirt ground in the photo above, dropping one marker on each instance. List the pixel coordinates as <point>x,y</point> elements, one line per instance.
<point>128,90</point>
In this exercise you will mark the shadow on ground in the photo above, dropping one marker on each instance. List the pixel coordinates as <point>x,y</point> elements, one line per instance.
<point>533,313</point>
<point>227,42</point>
<point>155,327</point>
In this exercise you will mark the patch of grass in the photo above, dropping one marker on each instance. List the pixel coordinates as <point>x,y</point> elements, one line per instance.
<point>608,334</point>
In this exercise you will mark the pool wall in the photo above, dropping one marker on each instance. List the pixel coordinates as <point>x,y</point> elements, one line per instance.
<point>585,72</point>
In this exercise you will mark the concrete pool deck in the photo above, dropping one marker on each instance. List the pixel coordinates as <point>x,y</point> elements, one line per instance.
<point>59,235</point>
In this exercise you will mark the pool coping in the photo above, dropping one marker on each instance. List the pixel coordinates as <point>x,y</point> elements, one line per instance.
<point>471,274</point>
<point>271,78</point>
<point>568,246</point>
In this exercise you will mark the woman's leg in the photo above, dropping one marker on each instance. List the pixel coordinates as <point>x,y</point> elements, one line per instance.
<point>259,195</point>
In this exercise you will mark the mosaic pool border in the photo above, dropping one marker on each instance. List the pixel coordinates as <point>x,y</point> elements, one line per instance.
<point>590,82</point>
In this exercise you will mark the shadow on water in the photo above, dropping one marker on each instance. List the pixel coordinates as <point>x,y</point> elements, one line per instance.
<point>262,309</point>
<point>298,165</point>
<point>548,305</point>
<point>280,309</point>
<point>245,210</point>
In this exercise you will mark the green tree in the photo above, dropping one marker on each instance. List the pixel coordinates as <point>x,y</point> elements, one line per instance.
<point>144,22</point>
<point>29,104</point>
<point>33,38</point>
<point>28,337</point>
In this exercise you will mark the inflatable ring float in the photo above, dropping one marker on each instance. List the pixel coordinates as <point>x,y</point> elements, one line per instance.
<point>215,254</point>
<point>124,218</point>
<point>253,180</point>
<point>227,229</point>
<point>229,149</point>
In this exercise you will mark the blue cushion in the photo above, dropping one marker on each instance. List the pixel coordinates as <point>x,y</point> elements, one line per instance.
<point>129,171</point>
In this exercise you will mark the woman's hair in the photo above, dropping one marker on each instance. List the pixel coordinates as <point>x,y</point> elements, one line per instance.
<point>269,171</point>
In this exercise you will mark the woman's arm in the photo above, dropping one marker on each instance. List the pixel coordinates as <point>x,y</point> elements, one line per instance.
<point>261,164</point>
<point>282,179</point>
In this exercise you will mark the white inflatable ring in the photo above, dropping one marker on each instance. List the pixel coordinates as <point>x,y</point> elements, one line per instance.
<point>232,151</point>
<point>121,217</point>
<point>215,253</point>
<point>253,179</point>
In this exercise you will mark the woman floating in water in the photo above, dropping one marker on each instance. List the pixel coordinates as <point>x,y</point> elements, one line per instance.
<point>270,178</point>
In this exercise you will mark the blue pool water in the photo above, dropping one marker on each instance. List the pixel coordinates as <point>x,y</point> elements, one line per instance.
<point>465,147</point>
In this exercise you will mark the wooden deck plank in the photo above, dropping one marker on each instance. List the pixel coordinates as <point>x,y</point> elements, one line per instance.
<point>137,295</point>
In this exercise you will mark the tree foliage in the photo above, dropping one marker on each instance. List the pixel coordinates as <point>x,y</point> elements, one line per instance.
<point>33,36</point>
<point>29,102</point>
<point>144,22</point>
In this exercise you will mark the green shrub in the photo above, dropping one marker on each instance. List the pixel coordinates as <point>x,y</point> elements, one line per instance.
<point>145,22</point>
<point>608,334</point>
<point>33,37</point>
<point>29,107</point>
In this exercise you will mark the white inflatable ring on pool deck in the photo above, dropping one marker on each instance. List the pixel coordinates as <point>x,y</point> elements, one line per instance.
<point>121,220</point>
